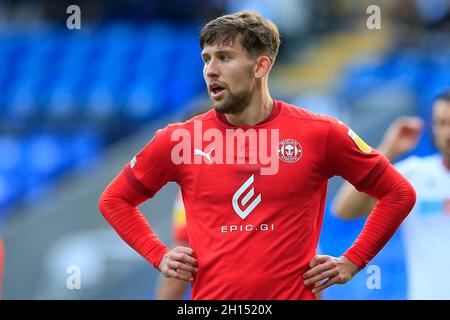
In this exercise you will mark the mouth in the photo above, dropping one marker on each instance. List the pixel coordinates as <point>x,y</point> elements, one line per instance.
<point>216,91</point>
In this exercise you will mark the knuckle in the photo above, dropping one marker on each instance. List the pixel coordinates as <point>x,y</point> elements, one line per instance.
<point>171,256</point>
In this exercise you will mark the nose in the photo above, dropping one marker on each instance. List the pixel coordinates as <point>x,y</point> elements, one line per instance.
<point>211,69</point>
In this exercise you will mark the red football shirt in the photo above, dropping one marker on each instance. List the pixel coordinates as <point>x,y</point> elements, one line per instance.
<point>254,231</point>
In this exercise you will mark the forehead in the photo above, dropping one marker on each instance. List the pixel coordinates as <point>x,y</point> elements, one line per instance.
<point>232,45</point>
<point>441,108</point>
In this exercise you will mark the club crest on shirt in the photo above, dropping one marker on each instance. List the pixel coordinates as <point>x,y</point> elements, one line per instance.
<point>364,147</point>
<point>289,150</point>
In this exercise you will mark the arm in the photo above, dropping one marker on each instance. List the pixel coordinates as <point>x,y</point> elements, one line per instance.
<point>347,155</point>
<point>396,199</point>
<point>118,205</point>
<point>170,288</point>
<point>401,137</point>
<point>140,180</point>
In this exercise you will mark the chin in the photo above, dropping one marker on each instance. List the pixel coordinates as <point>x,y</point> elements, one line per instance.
<point>219,109</point>
<point>219,106</point>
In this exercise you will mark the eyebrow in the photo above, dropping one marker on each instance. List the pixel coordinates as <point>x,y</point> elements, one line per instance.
<point>221,51</point>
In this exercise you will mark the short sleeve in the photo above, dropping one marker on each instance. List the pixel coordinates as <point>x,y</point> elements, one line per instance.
<point>348,156</point>
<point>152,167</point>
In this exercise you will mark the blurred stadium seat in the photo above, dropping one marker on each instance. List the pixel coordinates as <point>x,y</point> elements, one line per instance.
<point>52,78</point>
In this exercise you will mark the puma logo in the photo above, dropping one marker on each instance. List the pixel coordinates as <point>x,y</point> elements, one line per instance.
<point>203,154</point>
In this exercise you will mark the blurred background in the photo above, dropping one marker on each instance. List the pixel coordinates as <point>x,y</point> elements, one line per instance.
<point>76,105</point>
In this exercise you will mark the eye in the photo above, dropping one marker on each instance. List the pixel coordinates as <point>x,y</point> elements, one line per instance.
<point>206,59</point>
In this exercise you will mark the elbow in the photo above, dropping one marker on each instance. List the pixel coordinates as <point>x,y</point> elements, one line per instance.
<point>403,198</point>
<point>411,197</point>
<point>107,205</point>
<point>111,200</point>
<point>118,195</point>
<point>103,203</point>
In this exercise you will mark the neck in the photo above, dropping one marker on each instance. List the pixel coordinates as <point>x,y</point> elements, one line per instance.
<point>258,110</point>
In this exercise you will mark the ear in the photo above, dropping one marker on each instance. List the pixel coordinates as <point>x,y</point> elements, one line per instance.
<point>263,66</point>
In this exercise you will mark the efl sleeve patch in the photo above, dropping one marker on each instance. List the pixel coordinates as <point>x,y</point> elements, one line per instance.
<point>364,147</point>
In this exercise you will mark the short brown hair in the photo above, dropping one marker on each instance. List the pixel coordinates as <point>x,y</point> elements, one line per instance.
<point>258,36</point>
<point>445,96</point>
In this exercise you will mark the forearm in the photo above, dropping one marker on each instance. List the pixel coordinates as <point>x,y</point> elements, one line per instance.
<point>118,205</point>
<point>396,200</point>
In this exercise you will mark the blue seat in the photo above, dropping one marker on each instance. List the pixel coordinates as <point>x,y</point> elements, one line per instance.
<point>7,195</point>
<point>85,146</point>
<point>44,156</point>
<point>100,104</point>
<point>11,153</point>
<point>144,100</point>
